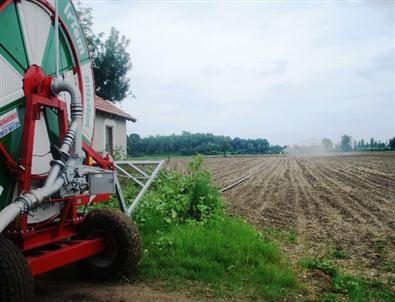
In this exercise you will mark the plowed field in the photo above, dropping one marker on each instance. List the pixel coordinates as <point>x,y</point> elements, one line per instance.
<point>342,201</point>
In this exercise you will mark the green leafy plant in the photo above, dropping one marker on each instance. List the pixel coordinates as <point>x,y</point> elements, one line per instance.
<point>119,153</point>
<point>182,198</point>
<point>205,200</point>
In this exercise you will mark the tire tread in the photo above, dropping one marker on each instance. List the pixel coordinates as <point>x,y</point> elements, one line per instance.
<point>16,280</point>
<point>127,238</point>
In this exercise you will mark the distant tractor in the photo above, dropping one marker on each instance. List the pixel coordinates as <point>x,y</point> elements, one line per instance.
<point>49,173</point>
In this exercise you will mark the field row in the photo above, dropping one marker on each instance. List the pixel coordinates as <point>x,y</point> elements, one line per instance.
<point>346,200</point>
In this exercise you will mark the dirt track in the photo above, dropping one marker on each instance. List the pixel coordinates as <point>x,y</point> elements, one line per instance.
<point>343,201</point>
<point>67,285</point>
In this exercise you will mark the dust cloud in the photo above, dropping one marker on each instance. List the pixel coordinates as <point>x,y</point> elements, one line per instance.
<point>308,147</point>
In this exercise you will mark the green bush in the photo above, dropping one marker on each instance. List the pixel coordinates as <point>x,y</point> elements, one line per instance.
<point>205,201</point>
<point>181,198</point>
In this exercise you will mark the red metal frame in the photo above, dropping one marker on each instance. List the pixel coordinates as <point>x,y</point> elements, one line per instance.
<point>52,257</point>
<point>4,5</point>
<point>50,244</point>
<point>34,239</point>
<point>9,162</point>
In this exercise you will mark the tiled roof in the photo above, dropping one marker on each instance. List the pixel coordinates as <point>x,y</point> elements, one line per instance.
<point>108,107</point>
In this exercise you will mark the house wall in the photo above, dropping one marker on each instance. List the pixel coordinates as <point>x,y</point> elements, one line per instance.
<point>119,132</point>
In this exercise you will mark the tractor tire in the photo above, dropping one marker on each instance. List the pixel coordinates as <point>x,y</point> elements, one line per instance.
<point>16,280</point>
<point>121,257</point>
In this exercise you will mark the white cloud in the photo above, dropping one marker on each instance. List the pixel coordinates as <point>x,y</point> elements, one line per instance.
<point>288,71</point>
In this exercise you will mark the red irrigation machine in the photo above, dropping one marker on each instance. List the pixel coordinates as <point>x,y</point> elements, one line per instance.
<point>49,173</point>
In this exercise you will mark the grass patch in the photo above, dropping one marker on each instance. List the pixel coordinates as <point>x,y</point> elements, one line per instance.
<point>189,240</point>
<point>347,287</point>
<point>287,237</point>
<point>338,253</point>
<point>225,254</point>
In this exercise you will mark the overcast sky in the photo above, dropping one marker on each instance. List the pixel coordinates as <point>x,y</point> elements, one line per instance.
<point>288,71</point>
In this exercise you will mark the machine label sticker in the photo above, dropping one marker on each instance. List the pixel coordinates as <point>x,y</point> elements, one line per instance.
<point>9,122</point>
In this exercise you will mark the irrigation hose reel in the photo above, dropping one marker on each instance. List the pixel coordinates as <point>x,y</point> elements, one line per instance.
<point>49,172</point>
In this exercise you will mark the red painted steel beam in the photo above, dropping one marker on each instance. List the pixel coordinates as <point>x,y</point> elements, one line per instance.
<point>102,162</point>
<point>33,239</point>
<point>69,252</point>
<point>9,161</point>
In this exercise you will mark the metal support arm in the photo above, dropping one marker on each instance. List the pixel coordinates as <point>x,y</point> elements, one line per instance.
<point>149,179</point>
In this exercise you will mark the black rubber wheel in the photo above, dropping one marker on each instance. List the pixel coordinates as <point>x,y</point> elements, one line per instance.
<point>123,251</point>
<point>16,280</point>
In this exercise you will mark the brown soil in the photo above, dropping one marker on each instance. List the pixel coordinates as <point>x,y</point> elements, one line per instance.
<point>70,292</point>
<point>342,201</point>
<point>85,292</point>
<point>67,285</point>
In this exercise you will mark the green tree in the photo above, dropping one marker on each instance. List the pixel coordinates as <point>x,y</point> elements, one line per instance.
<point>277,149</point>
<point>225,144</point>
<point>111,64</point>
<point>133,141</point>
<point>86,21</point>
<point>345,143</point>
<point>372,143</point>
<point>363,146</point>
<point>192,143</point>
<point>391,143</point>
<point>111,60</point>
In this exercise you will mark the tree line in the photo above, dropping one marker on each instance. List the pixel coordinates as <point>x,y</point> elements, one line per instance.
<point>188,143</point>
<point>347,144</point>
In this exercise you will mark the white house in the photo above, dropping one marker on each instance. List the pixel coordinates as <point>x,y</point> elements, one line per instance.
<point>110,127</point>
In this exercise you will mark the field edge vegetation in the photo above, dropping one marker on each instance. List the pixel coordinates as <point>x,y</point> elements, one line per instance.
<point>190,244</point>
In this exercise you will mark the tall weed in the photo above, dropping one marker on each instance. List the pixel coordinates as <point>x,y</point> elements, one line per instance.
<point>182,198</point>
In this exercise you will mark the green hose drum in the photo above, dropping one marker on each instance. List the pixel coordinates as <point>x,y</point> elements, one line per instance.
<point>27,34</point>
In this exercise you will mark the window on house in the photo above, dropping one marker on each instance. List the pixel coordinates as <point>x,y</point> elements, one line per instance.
<point>109,140</point>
